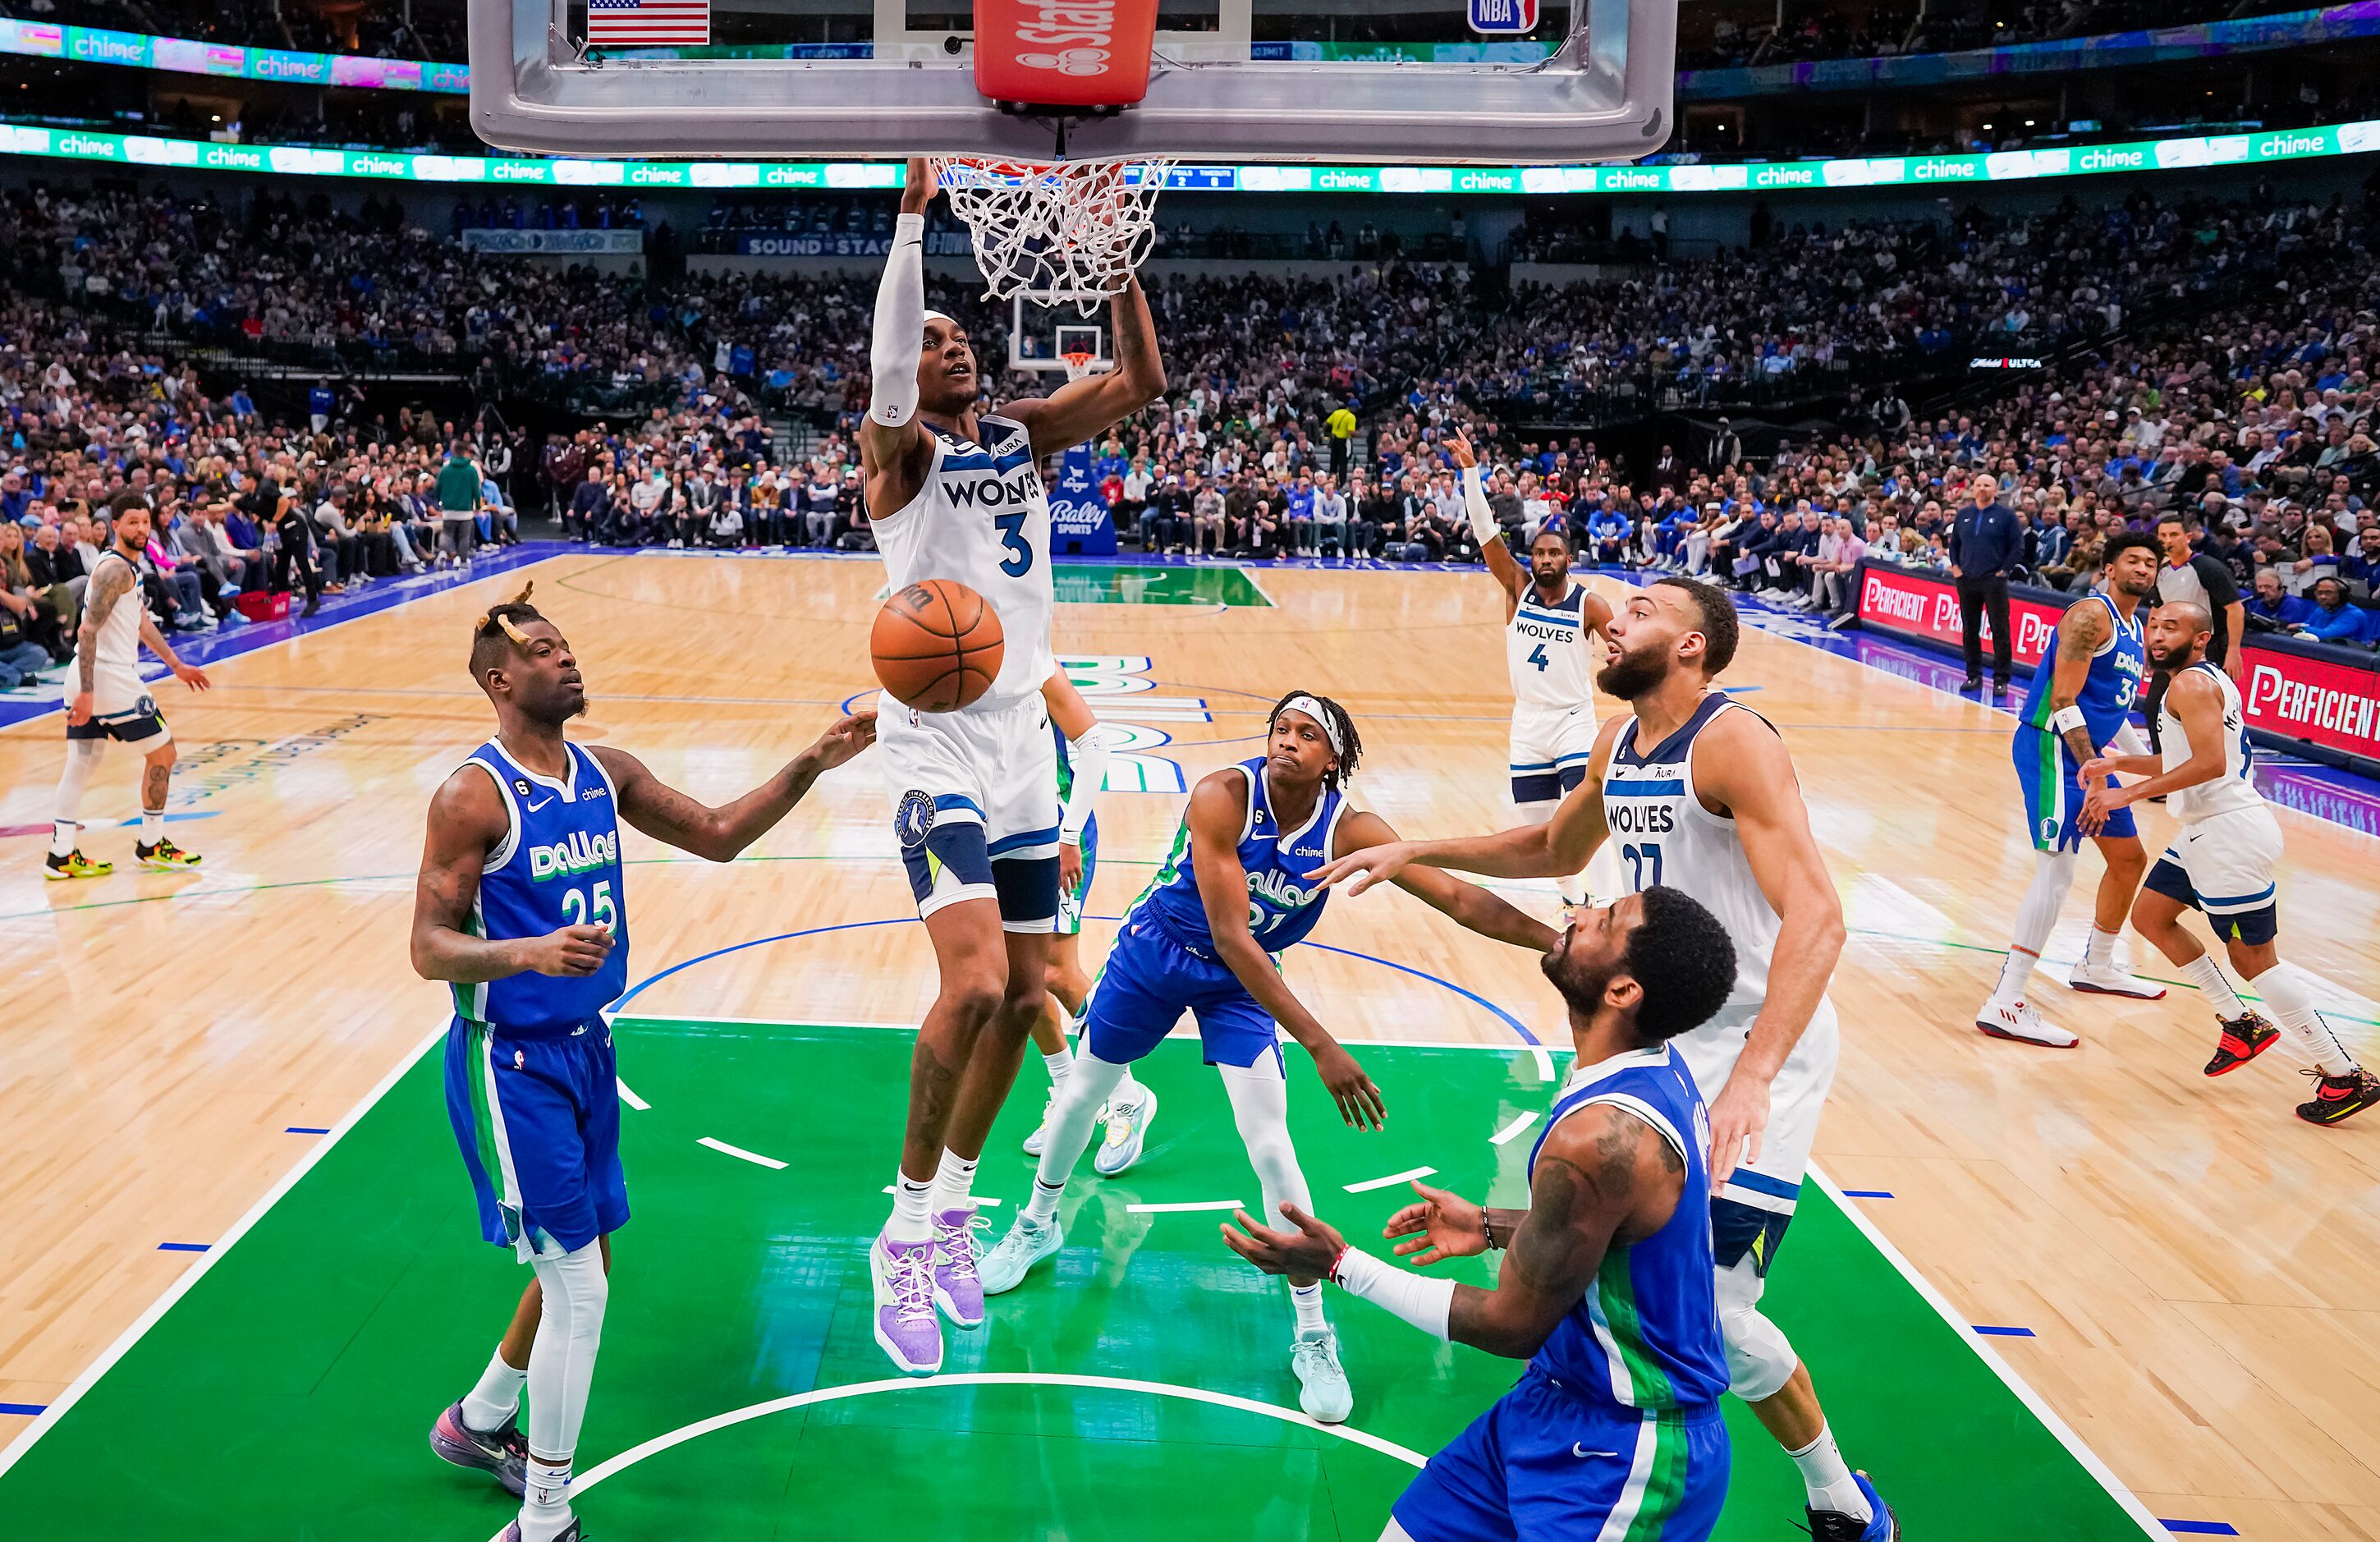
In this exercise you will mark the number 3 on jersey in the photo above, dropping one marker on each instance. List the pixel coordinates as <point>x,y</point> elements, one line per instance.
<point>1644,866</point>
<point>1012,535</point>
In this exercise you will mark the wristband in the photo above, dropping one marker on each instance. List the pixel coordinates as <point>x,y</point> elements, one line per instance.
<point>1487,1226</point>
<point>2066,720</point>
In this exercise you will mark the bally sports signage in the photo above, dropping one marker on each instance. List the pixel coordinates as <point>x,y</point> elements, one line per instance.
<point>1065,53</point>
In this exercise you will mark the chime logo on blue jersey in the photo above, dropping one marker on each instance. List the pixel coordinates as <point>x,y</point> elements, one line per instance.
<point>580,852</point>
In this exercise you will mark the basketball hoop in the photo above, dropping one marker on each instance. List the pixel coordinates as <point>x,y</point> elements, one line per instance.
<point>1078,364</point>
<point>1077,227</point>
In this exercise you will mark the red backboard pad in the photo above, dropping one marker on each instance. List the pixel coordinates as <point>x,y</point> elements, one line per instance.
<point>1065,53</point>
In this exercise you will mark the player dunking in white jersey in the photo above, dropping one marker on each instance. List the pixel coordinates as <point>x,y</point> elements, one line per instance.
<point>2222,862</point>
<point>955,493</point>
<point>1700,796</point>
<point>1547,622</point>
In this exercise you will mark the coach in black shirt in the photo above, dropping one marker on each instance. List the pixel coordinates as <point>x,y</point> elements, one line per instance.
<point>1985,541</point>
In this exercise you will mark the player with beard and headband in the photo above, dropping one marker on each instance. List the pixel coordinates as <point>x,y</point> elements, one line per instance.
<point>1700,794</point>
<point>1547,622</point>
<point>2223,862</point>
<point>1606,1286</point>
<point>522,908</point>
<point>955,493</point>
<point>2080,704</point>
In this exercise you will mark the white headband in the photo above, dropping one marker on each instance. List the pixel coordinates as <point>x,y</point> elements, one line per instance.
<point>1314,709</point>
<point>937,316</point>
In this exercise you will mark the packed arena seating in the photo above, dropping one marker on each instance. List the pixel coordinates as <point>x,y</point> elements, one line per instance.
<point>2213,357</point>
<point>1816,32</point>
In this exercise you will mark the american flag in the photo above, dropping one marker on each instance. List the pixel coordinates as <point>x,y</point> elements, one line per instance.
<point>648,23</point>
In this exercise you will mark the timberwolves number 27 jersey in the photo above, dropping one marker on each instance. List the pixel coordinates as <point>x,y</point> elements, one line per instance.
<point>1646,1334</point>
<point>1546,651</point>
<point>1284,904</point>
<point>982,518</point>
<point>558,866</point>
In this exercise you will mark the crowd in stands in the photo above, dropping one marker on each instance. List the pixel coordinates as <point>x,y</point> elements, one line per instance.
<point>1812,30</point>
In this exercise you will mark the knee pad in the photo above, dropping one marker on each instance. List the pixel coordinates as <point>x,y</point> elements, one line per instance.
<point>1759,1358</point>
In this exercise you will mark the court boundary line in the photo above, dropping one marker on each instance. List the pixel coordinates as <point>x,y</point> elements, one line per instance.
<point>49,1416</point>
<point>2059,1431</point>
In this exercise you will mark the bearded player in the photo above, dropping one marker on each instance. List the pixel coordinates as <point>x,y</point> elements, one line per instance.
<point>1701,793</point>
<point>953,492</point>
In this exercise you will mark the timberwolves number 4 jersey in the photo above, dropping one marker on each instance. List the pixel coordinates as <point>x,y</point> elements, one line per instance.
<point>1665,835</point>
<point>2231,791</point>
<point>1546,651</point>
<point>2109,692</point>
<point>1284,904</point>
<point>1645,1335</point>
<point>558,866</point>
<point>982,518</point>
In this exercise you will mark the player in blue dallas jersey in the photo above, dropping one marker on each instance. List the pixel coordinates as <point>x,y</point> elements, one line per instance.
<point>521,908</point>
<point>1203,937</point>
<point>2080,704</point>
<point>1606,1288</point>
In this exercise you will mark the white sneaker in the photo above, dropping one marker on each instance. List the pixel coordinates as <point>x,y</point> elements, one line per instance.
<point>1028,1241</point>
<point>2018,1021</point>
<point>1322,1388</point>
<point>1041,1135</point>
<point>1127,1133</point>
<point>2112,979</point>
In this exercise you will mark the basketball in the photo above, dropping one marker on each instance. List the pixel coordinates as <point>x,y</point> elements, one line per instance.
<point>936,645</point>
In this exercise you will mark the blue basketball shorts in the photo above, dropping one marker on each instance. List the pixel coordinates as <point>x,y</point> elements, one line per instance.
<point>1150,979</point>
<point>2053,797</point>
<point>538,1123</point>
<point>1071,901</point>
<point>1543,1466</point>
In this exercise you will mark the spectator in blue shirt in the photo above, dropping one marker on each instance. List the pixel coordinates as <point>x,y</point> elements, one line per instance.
<point>2337,620</point>
<point>1607,527</point>
<point>2275,604</point>
<point>2362,563</point>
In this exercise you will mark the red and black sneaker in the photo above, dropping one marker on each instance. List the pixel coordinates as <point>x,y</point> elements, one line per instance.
<point>2338,1098</point>
<point>2244,1037</point>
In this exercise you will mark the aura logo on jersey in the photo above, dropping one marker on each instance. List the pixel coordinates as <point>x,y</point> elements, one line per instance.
<point>579,852</point>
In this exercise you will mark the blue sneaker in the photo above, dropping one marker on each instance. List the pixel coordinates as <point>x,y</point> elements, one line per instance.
<point>1127,1133</point>
<point>1833,1525</point>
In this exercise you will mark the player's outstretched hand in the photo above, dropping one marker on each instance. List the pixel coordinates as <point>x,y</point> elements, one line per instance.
<point>1447,1224</point>
<point>192,676</point>
<point>1309,1252</point>
<point>1358,1099</point>
<point>1459,448</point>
<point>1738,1116</point>
<point>917,188</point>
<point>579,950</point>
<point>1372,865</point>
<point>843,741</point>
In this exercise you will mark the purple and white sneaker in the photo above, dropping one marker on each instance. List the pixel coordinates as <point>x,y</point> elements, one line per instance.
<point>503,1452</point>
<point>568,1533</point>
<point>958,1292</point>
<point>903,1274</point>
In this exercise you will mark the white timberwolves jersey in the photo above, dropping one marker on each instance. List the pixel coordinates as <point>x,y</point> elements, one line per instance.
<point>2231,791</point>
<point>1663,835</point>
<point>982,518</point>
<point>1545,651</point>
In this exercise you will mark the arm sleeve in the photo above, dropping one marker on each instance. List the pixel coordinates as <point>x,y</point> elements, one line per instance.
<point>1088,755</point>
<point>1475,502</point>
<point>1426,1304</point>
<point>900,332</point>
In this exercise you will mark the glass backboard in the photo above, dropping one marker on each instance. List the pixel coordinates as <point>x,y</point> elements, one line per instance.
<point>1532,82</point>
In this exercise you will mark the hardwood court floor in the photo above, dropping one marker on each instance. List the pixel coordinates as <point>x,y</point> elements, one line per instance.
<point>2193,1268</point>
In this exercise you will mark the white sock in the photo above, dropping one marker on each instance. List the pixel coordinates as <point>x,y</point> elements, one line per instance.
<point>2208,975</point>
<point>1828,1478</point>
<point>954,1184</point>
<point>1127,1090</point>
<point>2100,951</point>
<point>2285,990</point>
<point>545,1507</point>
<point>911,1220</point>
<point>1307,1299</point>
<point>63,834</point>
<point>496,1398</point>
<point>82,757</point>
<point>1043,1206</point>
<point>1060,1064</point>
<point>2053,874</point>
<point>152,826</point>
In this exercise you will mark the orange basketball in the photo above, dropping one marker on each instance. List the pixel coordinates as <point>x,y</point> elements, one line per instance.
<point>936,645</point>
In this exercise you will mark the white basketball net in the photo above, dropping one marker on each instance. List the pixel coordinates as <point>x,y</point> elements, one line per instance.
<point>1077,228</point>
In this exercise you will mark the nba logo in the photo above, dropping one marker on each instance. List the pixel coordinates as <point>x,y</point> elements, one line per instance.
<point>1499,16</point>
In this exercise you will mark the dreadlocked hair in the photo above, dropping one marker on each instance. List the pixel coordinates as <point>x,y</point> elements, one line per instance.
<point>499,629</point>
<point>1341,726</point>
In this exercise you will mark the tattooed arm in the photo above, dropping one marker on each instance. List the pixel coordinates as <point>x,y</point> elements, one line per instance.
<point>108,589</point>
<point>718,834</point>
<point>468,822</point>
<point>1604,1179</point>
<point>2082,633</point>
